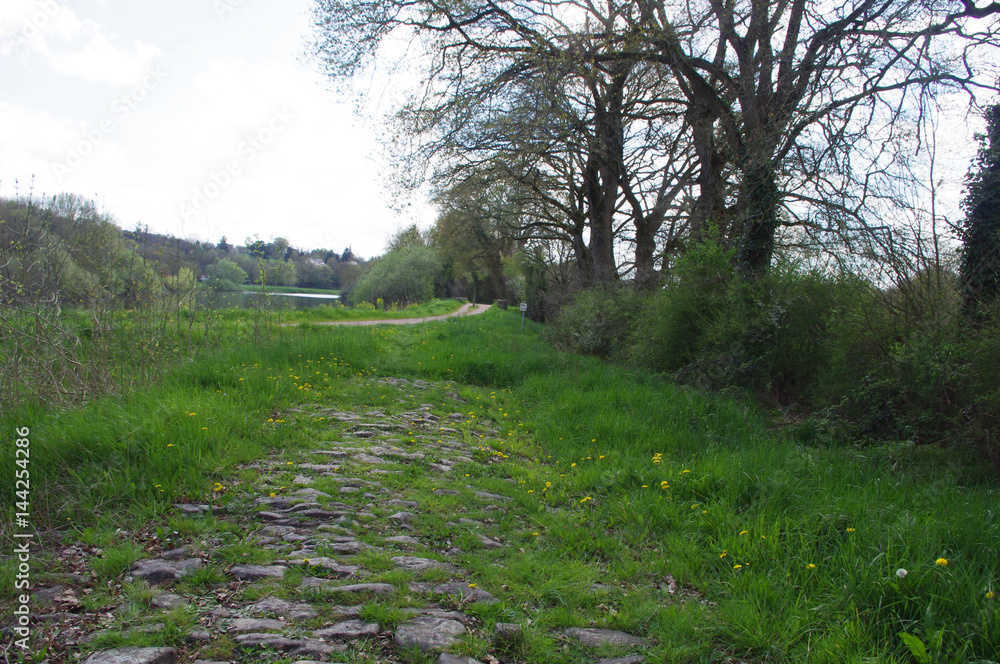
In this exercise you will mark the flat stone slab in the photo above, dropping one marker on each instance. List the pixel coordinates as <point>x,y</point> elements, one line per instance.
<point>316,513</point>
<point>594,638</point>
<point>328,564</point>
<point>308,647</point>
<point>446,492</point>
<point>315,582</point>
<point>390,452</point>
<point>349,547</point>
<point>373,588</point>
<point>255,572</point>
<point>251,625</point>
<point>167,601</point>
<point>404,540</point>
<point>633,659</point>
<point>466,592</point>
<point>157,570</point>
<point>428,633</point>
<point>281,503</point>
<point>348,630</point>
<point>321,467</point>
<point>396,502</point>
<point>368,458</point>
<point>457,616</point>
<point>283,608</point>
<point>448,658</point>
<point>311,493</point>
<point>415,564</point>
<point>492,496</point>
<point>134,656</point>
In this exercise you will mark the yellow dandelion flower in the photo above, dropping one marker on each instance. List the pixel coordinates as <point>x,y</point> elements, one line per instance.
<point>990,594</point>
<point>664,484</point>
<point>744,532</point>
<point>943,562</point>
<point>737,566</point>
<point>810,566</point>
<point>170,444</point>
<point>852,530</point>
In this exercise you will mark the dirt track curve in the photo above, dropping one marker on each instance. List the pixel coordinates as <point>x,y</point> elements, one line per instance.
<point>464,310</point>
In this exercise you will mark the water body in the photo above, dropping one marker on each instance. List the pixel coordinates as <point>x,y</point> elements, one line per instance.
<point>288,301</point>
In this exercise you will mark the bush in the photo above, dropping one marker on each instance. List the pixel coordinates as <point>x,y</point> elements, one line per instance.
<point>404,276</point>
<point>869,365</point>
<point>595,321</point>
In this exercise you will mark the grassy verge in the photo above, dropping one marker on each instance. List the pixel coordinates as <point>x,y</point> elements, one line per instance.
<point>709,533</point>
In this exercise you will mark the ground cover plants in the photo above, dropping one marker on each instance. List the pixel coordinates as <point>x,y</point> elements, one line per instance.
<point>620,501</point>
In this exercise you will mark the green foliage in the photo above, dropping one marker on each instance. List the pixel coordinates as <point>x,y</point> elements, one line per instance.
<point>226,275</point>
<point>403,277</point>
<point>981,230</point>
<point>871,364</point>
<point>594,321</point>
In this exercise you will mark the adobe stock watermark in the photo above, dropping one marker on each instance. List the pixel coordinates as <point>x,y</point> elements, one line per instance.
<point>249,149</point>
<point>33,24</point>
<point>121,108</point>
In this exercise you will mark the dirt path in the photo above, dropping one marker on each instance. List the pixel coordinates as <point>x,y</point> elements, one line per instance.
<point>464,310</point>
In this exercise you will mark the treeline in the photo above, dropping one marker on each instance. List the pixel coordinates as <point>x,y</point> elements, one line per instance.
<point>64,248</point>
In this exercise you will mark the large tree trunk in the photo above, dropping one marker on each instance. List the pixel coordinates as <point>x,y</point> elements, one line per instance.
<point>646,276</point>
<point>710,207</point>
<point>603,173</point>
<point>602,189</point>
<point>759,201</point>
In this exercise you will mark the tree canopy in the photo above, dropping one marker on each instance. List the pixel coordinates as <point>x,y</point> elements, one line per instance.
<point>632,129</point>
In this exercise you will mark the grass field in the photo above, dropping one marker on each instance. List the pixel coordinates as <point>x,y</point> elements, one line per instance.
<point>720,537</point>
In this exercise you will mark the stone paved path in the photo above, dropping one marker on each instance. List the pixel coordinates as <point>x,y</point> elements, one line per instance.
<point>330,559</point>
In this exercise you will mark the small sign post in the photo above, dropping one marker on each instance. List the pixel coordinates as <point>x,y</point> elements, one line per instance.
<point>524,307</point>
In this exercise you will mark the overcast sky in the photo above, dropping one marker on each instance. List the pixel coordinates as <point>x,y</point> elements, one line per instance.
<point>199,118</point>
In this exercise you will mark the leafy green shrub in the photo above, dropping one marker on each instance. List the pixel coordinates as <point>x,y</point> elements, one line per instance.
<point>403,276</point>
<point>670,333</point>
<point>595,321</point>
<point>226,275</point>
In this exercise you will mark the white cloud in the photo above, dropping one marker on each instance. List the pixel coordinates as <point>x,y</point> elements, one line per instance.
<point>68,45</point>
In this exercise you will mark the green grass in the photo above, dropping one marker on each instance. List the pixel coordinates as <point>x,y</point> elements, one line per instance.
<point>776,552</point>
